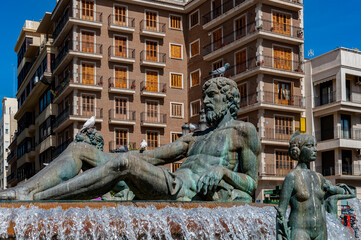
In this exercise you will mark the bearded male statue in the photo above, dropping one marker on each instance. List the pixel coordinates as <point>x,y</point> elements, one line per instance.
<point>221,163</point>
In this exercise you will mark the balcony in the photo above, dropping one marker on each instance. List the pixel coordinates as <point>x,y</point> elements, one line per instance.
<point>121,23</point>
<point>153,119</point>
<point>152,29</point>
<point>122,86</point>
<point>76,16</point>
<point>338,137</point>
<point>121,55</point>
<point>59,149</point>
<point>152,59</point>
<point>77,114</point>
<point>88,50</point>
<point>284,32</point>
<point>11,157</point>
<point>83,82</point>
<point>279,170</point>
<point>294,5</point>
<point>153,89</point>
<point>325,99</point>
<point>113,146</point>
<point>11,178</point>
<point>277,135</point>
<point>120,117</point>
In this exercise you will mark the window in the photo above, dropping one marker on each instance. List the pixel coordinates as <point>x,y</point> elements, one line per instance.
<point>88,105</point>
<point>194,19</point>
<point>121,77</point>
<point>120,15</point>
<point>87,44</point>
<point>176,51</point>
<point>327,127</point>
<point>175,22</point>
<point>240,26</point>
<point>45,129</point>
<point>217,39</point>
<point>121,108</point>
<point>152,140</point>
<point>151,20</point>
<point>326,93</point>
<point>195,108</point>
<point>175,136</point>
<point>152,111</point>
<point>282,23</point>
<point>282,58</point>
<point>176,110</point>
<point>87,10</point>
<point>45,100</point>
<point>88,71</point>
<point>152,81</point>
<point>283,91</point>
<point>284,164</point>
<point>176,80</point>
<point>195,78</point>
<point>194,48</point>
<point>175,166</point>
<point>151,51</point>
<point>243,94</point>
<point>120,46</point>
<point>217,64</point>
<point>283,128</point>
<point>345,126</point>
<point>241,61</point>
<point>121,138</point>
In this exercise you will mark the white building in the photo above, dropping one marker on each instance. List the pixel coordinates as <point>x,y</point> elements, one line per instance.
<point>8,127</point>
<point>333,93</point>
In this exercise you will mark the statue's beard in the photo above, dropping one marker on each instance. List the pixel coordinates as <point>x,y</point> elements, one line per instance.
<point>214,118</point>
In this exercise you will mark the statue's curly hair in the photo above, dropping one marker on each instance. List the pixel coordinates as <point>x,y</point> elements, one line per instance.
<point>296,143</point>
<point>230,93</point>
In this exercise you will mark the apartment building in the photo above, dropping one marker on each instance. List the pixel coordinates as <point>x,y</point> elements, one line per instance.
<point>333,84</point>
<point>8,127</point>
<point>138,67</point>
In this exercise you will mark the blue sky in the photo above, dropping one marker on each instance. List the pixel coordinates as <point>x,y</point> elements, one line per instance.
<point>327,26</point>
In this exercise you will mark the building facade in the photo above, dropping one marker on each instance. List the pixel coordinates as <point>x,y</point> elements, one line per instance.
<point>333,84</point>
<point>139,67</point>
<point>8,127</point>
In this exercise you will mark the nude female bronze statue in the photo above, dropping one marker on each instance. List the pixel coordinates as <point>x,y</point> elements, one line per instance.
<point>304,190</point>
<point>221,163</point>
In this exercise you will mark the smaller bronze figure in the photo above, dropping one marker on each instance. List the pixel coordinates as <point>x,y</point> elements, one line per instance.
<point>330,202</point>
<point>303,189</point>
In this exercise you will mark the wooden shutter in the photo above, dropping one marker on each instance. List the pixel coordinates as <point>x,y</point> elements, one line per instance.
<point>195,78</point>
<point>121,138</point>
<point>176,51</point>
<point>152,140</point>
<point>176,80</point>
<point>283,128</point>
<point>88,105</point>
<point>152,111</point>
<point>120,15</point>
<point>194,19</point>
<point>194,48</point>
<point>152,51</point>
<point>175,136</point>
<point>175,22</point>
<point>87,42</point>
<point>120,46</point>
<point>87,8</point>
<point>195,108</point>
<point>282,23</point>
<point>121,77</point>
<point>284,163</point>
<point>243,94</point>
<point>121,108</point>
<point>152,81</point>
<point>217,39</point>
<point>88,74</point>
<point>241,61</point>
<point>282,58</point>
<point>217,65</point>
<point>151,21</point>
<point>176,110</point>
<point>241,27</point>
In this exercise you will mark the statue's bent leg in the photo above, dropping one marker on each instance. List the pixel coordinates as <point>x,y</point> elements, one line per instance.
<point>149,180</point>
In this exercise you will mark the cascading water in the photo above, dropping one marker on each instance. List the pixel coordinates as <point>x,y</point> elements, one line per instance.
<point>130,222</point>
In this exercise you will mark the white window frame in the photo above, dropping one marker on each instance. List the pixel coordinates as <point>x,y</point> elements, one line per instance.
<point>115,135</point>
<point>190,17</point>
<point>199,48</point>
<point>121,5</point>
<point>181,22</point>
<point>235,25</point>
<point>170,80</point>
<point>170,140</point>
<point>170,50</point>
<point>178,103</point>
<point>191,108</point>
<point>121,66</point>
<point>81,71</point>
<point>190,77</point>
<point>125,98</point>
<point>146,135</point>
<point>95,40</point>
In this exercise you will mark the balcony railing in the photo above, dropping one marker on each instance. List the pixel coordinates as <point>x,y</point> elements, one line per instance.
<point>338,133</point>
<point>278,170</point>
<point>11,176</point>
<point>280,64</point>
<point>281,28</point>
<point>325,99</point>
<point>121,115</point>
<point>230,38</point>
<point>121,83</point>
<point>278,134</point>
<point>225,7</point>
<point>326,171</point>
<point>78,111</point>
<point>59,149</point>
<point>78,14</point>
<point>151,56</point>
<point>113,146</point>
<point>77,46</point>
<point>282,98</point>
<point>121,21</point>
<point>153,87</point>
<point>153,117</point>
<point>121,52</point>
<point>152,26</point>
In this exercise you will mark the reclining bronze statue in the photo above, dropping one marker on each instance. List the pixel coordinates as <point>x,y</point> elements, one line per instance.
<point>220,163</point>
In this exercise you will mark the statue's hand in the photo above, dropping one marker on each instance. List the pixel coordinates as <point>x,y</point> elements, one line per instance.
<point>210,179</point>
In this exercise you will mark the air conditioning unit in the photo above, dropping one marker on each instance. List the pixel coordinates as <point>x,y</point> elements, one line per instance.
<point>358,80</point>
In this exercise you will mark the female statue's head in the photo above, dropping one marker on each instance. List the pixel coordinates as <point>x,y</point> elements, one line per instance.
<point>302,147</point>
